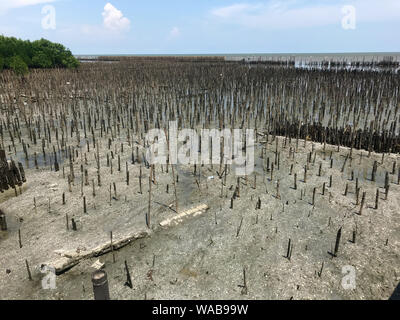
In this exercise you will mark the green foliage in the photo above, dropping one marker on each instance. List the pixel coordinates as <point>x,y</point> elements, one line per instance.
<point>19,66</point>
<point>71,62</point>
<point>40,60</point>
<point>37,54</point>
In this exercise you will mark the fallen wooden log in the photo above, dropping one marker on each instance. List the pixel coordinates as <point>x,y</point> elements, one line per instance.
<point>179,218</point>
<point>71,258</point>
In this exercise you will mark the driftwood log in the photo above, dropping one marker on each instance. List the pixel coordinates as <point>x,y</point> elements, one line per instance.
<point>70,259</point>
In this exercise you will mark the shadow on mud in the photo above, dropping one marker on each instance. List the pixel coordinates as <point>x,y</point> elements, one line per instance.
<point>396,293</point>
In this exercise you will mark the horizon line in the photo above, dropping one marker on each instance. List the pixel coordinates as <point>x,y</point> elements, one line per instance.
<point>232,54</point>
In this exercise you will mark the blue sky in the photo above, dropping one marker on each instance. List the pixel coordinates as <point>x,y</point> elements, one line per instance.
<point>205,26</point>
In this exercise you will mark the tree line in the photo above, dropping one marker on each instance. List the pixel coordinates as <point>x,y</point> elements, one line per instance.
<point>20,55</point>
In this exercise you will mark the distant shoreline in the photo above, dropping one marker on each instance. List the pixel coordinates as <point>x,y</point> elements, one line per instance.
<point>369,59</point>
<point>246,54</point>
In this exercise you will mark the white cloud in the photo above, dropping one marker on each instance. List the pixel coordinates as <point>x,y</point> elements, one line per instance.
<point>285,15</point>
<point>114,20</point>
<point>175,32</point>
<point>21,3</point>
<point>12,4</point>
<point>114,23</point>
<point>235,9</point>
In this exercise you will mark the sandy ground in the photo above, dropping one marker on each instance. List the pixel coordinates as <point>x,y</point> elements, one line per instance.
<point>204,257</point>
